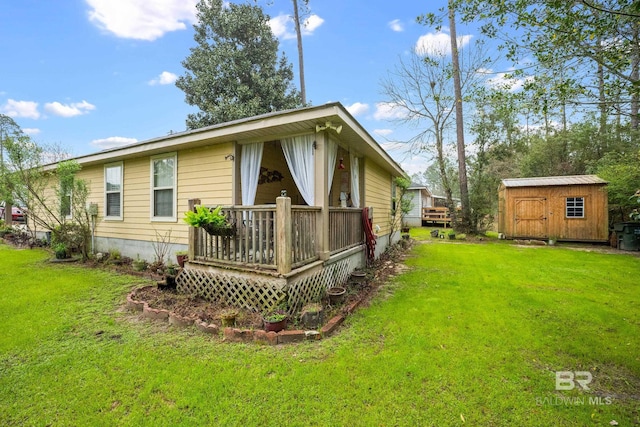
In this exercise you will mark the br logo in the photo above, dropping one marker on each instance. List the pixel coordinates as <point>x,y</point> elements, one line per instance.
<point>566,380</point>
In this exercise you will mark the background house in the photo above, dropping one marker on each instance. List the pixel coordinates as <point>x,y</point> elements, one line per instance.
<point>560,207</point>
<point>420,197</point>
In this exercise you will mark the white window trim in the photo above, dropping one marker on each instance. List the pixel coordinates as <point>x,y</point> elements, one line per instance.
<point>174,216</point>
<point>566,207</point>
<point>121,216</point>
<point>70,196</point>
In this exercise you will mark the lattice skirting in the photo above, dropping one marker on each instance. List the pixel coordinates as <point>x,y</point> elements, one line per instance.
<point>250,293</point>
<point>312,287</point>
<point>260,294</point>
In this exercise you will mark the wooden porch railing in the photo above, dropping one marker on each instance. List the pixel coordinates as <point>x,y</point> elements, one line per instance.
<point>277,236</point>
<point>345,228</point>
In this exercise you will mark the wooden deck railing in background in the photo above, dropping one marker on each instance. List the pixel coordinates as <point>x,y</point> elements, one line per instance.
<point>436,215</point>
<point>345,228</point>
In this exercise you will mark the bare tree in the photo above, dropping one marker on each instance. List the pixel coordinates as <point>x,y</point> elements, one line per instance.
<point>421,92</point>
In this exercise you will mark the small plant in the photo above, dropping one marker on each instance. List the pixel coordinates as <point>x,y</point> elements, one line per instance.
<point>171,269</point>
<point>114,254</point>
<point>204,216</point>
<point>274,316</point>
<point>139,264</point>
<point>60,251</point>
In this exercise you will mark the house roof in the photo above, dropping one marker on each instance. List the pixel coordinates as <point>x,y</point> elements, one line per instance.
<point>421,187</point>
<point>265,127</point>
<point>546,181</point>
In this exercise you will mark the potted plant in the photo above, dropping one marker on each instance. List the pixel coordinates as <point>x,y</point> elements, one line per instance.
<point>213,221</point>
<point>172,269</point>
<point>452,235</point>
<point>60,251</point>
<point>274,320</point>
<point>181,256</point>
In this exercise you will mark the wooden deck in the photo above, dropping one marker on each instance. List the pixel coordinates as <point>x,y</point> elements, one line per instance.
<point>436,216</point>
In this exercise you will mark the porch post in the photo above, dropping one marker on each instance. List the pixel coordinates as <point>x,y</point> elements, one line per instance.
<point>192,232</point>
<point>322,195</point>
<point>284,243</point>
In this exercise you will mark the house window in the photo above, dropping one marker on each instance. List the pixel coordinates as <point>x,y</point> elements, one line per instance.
<point>163,188</point>
<point>575,207</point>
<point>113,191</point>
<point>65,204</point>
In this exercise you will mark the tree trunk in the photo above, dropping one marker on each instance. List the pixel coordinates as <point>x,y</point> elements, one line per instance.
<point>296,19</point>
<point>462,159</point>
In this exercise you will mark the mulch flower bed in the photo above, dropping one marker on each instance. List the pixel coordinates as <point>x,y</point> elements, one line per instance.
<point>181,309</point>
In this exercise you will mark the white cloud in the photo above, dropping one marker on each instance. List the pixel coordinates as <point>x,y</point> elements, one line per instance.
<point>31,131</point>
<point>357,108</point>
<point>439,43</point>
<point>27,109</point>
<point>113,142</point>
<point>388,111</point>
<point>505,81</point>
<point>68,110</point>
<point>414,165</point>
<point>279,26</point>
<point>311,24</point>
<point>142,19</point>
<point>282,26</point>
<point>383,132</point>
<point>165,78</point>
<point>396,25</point>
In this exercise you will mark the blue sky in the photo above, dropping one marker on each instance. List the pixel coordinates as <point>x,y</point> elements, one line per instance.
<point>92,74</point>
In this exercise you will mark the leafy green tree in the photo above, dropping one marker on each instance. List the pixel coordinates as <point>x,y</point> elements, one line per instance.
<point>61,211</point>
<point>402,203</point>
<point>8,129</point>
<point>595,43</point>
<point>234,72</point>
<point>498,146</point>
<point>622,170</point>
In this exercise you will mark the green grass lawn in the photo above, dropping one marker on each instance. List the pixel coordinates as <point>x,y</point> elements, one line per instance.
<point>472,334</point>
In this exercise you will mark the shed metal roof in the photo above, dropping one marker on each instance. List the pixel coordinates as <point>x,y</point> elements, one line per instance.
<point>546,181</point>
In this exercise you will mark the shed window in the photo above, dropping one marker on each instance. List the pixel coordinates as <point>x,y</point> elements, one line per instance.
<point>163,180</point>
<point>113,191</point>
<point>575,207</point>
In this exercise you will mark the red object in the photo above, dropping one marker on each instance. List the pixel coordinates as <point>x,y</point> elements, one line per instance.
<point>341,164</point>
<point>370,237</point>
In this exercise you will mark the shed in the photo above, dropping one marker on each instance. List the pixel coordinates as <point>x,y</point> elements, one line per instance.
<point>572,208</point>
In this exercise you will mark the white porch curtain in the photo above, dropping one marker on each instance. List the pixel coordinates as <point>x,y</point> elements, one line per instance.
<point>355,180</point>
<point>332,150</point>
<point>298,151</point>
<point>251,158</point>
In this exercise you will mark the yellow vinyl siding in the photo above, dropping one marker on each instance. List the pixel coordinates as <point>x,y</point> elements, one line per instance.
<point>377,194</point>
<point>202,173</point>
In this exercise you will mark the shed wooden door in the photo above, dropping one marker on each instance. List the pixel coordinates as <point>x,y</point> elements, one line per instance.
<point>530,217</point>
